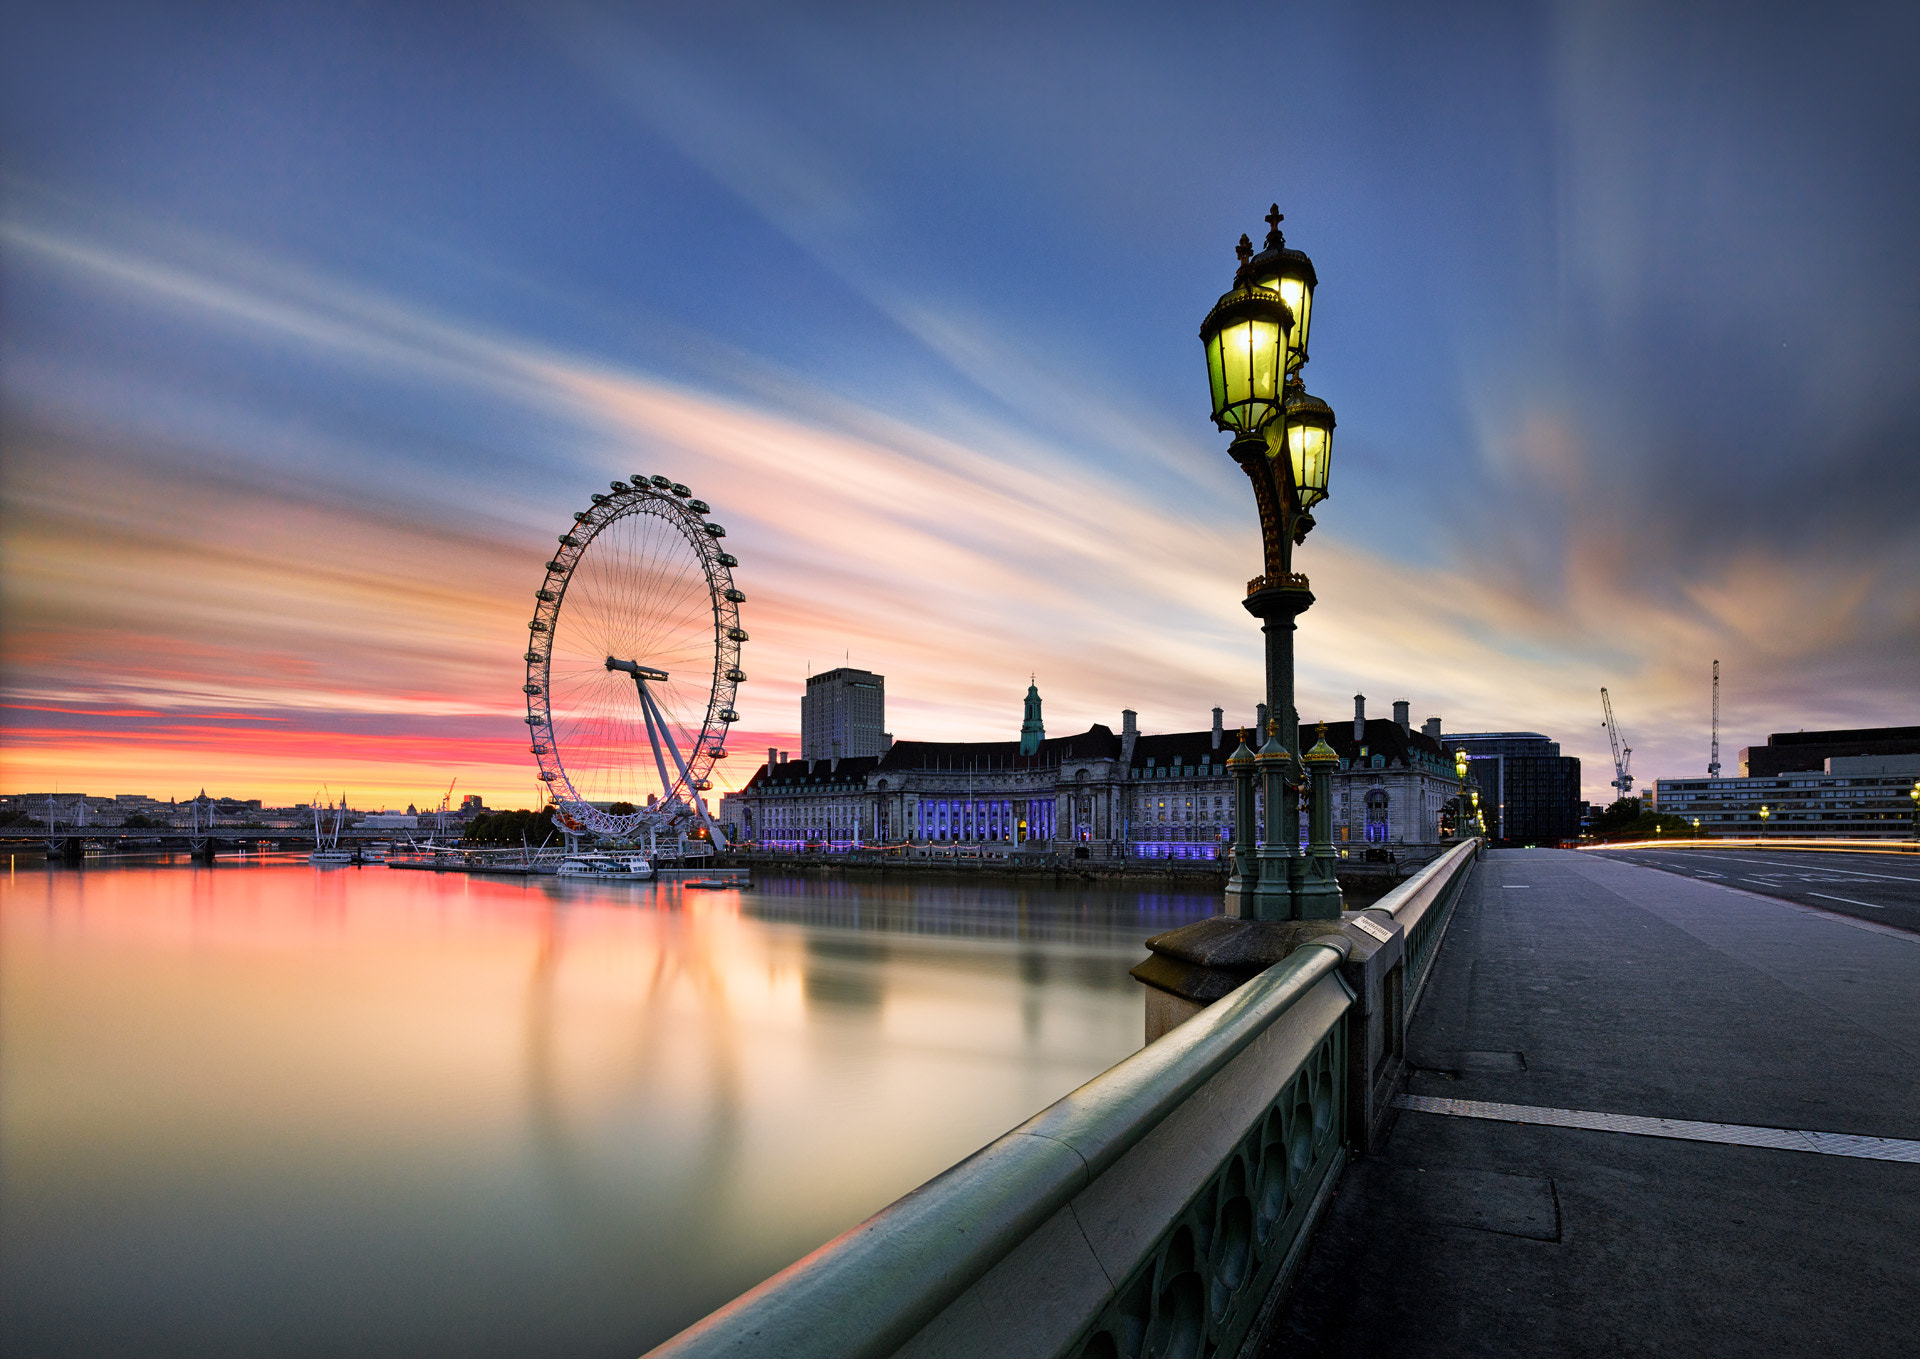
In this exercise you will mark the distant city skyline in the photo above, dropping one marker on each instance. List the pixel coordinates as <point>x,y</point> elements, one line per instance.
<point>318,325</point>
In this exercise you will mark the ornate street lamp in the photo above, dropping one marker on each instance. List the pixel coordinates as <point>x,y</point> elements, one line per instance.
<point>1914,793</point>
<point>1256,341</point>
<point>1764,813</point>
<point>1463,814</point>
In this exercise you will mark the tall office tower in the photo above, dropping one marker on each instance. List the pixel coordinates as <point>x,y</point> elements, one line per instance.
<point>1529,791</point>
<point>842,714</point>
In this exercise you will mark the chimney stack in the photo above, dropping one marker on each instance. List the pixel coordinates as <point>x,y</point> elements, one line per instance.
<point>1218,729</point>
<point>1129,722</point>
<point>1360,717</point>
<point>1402,715</point>
<point>773,758</point>
<point>1431,727</point>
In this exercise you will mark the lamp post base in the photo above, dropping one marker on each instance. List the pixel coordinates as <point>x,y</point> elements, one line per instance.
<point>1272,895</point>
<point>1239,900</point>
<point>1320,896</point>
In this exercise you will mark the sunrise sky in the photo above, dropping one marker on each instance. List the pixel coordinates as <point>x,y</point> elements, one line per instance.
<point>316,323</point>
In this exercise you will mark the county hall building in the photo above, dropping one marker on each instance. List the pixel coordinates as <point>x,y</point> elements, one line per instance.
<point>1096,794</point>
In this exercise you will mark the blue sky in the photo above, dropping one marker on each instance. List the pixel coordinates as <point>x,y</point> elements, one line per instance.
<point>319,319</point>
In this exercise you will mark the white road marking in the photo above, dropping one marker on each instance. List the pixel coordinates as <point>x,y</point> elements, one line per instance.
<point>1727,1134</point>
<point>1849,900</point>
<point>1852,922</point>
<point>1515,886</point>
<point>1855,872</point>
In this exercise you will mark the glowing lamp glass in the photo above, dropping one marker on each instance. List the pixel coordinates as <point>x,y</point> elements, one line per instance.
<point>1245,338</point>
<point>1294,280</point>
<point>1308,433</point>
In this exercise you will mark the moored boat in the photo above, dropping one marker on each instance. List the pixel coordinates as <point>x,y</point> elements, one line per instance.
<point>625,867</point>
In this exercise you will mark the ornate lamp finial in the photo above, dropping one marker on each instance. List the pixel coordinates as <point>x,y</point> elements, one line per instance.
<point>1244,250</point>
<point>1274,218</point>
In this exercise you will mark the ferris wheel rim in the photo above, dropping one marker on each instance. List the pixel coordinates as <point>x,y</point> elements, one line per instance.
<point>692,775</point>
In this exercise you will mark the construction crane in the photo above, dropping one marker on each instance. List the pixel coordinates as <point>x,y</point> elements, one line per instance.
<point>1713,760</point>
<point>1622,754</point>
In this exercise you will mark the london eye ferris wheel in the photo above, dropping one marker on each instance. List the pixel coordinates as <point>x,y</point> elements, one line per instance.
<point>633,661</point>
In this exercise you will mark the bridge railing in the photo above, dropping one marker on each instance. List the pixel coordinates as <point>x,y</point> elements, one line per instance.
<point>1154,1209</point>
<point>1422,906</point>
<point>1184,1173</point>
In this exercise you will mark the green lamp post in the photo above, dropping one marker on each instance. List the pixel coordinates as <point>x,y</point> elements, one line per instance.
<point>1242,764</point>
<point>1914,793</point>
<point>1320,887</point>
<point>1460,816</point>
<point>1764,814</point>
<point>1255,339</point>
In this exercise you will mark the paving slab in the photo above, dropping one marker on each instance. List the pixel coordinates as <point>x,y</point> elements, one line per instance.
<point>1581,983</point>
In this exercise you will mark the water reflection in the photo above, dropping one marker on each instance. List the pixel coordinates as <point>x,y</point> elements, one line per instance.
<point>933,906</point>
<point>261,1109</point>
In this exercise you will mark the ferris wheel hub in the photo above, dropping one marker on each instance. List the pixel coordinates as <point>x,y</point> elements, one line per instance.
<point>637,670</point>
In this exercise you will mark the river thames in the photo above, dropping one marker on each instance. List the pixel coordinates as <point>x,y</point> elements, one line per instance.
<point>264,1108</point>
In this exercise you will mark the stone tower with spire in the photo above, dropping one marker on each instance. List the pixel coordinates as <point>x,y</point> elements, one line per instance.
<point>1031,732</point>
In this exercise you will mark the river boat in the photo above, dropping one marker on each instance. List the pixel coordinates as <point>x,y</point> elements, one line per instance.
<point>623,867</point>
<point>716,882</point>
<point>332,856</point>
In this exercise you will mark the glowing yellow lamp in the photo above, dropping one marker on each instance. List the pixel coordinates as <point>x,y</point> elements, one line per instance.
<point>1290,274</point>
<point>1308,433</point>
<point>1245,338</point>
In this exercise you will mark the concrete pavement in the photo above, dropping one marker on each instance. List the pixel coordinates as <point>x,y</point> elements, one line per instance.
<point>1581,983</point>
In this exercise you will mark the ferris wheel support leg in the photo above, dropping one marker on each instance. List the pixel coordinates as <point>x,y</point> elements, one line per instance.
<point>656,718</point>
<point>656,730</point>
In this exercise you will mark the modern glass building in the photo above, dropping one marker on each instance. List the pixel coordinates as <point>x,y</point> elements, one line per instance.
<point>1529,791</point>
<point>1841,804</point>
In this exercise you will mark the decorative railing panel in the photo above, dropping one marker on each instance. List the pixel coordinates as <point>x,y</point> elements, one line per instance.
<point>1201,1287</point>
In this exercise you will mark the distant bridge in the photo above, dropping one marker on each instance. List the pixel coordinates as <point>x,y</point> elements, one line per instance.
<point>72,842</point>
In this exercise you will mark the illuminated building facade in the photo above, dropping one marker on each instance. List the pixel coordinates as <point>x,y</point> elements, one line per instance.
<point>1853,797</point>
<point>1096,794</point>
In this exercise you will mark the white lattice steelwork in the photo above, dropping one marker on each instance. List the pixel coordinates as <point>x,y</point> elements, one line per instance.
<point>633,661</point>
